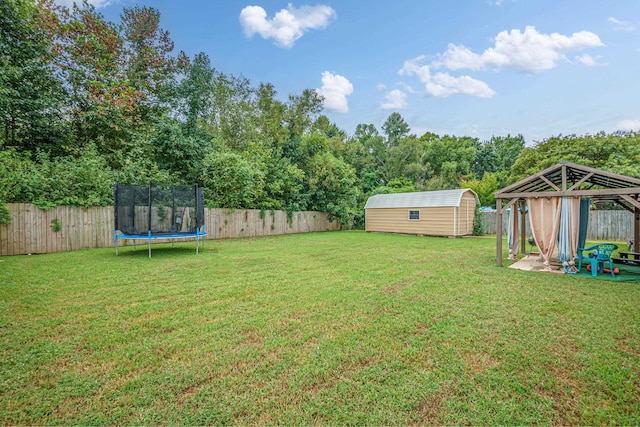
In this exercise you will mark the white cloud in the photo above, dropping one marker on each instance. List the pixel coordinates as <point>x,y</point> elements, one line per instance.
<point>621,25</point>
<point>97,3</point>
<point>287,25</point>
<point>633,125</point>
<point>443,84</point>
<point>588,60</point>
<point>335,89</point>
<point>394,100</point>
<point>528,51</point>
<point>381,86</point>
<point>458,57</point>
<point>499,3</point>
<point>409,88</point>
<point>414,67</point>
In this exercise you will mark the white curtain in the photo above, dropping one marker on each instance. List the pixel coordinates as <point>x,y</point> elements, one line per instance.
<point>544,217</point>
<point>568,232</point>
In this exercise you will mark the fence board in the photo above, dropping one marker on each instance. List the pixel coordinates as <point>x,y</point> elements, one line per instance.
<point>62,235</point>
<point>4,244</point>
<point>27,228</point>
<point>17,229</point>
<point>45,239</point>
<point>51,236</point>
<point>20,229</point>
<point>31,229</point>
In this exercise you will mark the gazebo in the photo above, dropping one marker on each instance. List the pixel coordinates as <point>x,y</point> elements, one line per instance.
<point>567,180</point>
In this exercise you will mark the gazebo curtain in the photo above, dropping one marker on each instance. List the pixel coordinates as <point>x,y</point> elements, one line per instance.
<point>513,233</point>
<point>585,203</point>
<point>544,218</point>
<point>568,232</point>
<point>555,220</point>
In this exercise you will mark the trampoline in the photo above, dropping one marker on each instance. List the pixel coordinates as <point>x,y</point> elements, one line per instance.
<point>158,211</point>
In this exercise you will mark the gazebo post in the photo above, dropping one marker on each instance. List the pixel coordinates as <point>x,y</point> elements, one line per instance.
<point>523,228</point>
<point>499,232</point>
<point>636,230</point>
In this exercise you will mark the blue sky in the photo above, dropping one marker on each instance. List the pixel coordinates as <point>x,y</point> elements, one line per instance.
<point>475,67</point>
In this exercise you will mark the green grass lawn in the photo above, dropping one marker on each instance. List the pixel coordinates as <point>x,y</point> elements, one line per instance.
<point>324,328</point>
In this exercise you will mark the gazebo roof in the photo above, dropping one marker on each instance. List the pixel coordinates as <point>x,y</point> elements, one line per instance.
<point>570,179</point>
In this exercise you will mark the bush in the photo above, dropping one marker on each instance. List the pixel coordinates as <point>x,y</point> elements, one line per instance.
<point>232,181</point>
<point>21,179</point>
<point>478,228</point>
<point>5,217</point>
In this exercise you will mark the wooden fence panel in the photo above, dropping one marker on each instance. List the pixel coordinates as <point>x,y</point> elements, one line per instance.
<point>611,225</point>
<point>603,225</point>
<point>32,231</point>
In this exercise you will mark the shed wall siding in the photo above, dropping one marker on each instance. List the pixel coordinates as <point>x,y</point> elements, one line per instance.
<point>466,213</point>
<point>433,221</point>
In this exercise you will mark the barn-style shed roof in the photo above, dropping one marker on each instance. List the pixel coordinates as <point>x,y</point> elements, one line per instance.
<point>422,199</point>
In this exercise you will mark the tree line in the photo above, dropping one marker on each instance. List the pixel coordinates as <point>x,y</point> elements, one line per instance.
<point>85,102</point>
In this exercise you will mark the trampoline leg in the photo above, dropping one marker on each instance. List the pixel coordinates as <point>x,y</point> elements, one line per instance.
<point>149,243</point>
<point>115,241</point>
<point>197,243</point>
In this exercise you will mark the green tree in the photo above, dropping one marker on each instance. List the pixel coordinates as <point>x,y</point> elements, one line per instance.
<point>484,188</point>
<point>372,156</point>
<point>150,66</point>
<point>30,95</point>
<point>231,181</point>
<point>507,150</point>
<point>179,149</point>
<point>614,152</point>
<point>233,114</point>
<point>448,160</point>
<point>284,184</point>
<point>301,112</point>
<point>395,128</point>
<point>407,159</point>
<point>21,178</point>
<point>195,91</point>
<point>497,156</point>
<point>103,106</point>
<point>84,180</point>
<point>270,121</point>
<point>331,187</point>
<point>396,185</point>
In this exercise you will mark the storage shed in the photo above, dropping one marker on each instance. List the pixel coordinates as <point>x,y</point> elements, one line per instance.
<point>432,213</point>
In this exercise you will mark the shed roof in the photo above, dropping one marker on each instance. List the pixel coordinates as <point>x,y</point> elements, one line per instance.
<point>422,199</point>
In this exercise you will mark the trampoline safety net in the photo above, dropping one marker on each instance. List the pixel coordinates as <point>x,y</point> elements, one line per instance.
<point>158,209</point>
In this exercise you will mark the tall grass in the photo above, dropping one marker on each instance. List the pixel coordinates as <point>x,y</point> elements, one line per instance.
<point>326,328</point>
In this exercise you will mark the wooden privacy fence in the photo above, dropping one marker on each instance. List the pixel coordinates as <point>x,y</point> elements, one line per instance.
<point>36,231</point>
<point>603,225</point>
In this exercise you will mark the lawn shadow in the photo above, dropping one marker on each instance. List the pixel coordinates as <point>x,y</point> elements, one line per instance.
<point>163,251</point>
<point>624,272</point>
